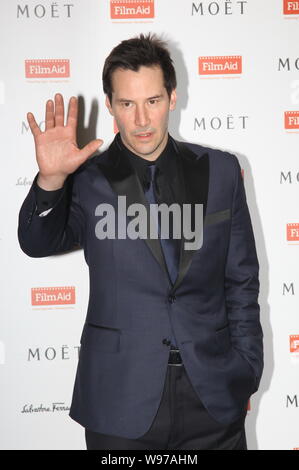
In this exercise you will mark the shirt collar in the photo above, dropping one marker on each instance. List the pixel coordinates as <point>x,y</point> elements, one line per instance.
<point>139,164</point>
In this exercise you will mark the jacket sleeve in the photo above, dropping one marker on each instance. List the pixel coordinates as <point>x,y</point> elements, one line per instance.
<point>45,200</point>
<point>61,230</point>
<point>242,282</point>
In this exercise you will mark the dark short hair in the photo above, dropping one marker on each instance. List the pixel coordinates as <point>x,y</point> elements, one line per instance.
<point>139,51</point>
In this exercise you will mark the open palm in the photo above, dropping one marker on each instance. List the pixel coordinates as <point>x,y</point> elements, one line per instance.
<point>57,152</point>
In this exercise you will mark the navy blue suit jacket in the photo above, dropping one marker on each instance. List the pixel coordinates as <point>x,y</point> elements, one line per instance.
<point>212,307</point>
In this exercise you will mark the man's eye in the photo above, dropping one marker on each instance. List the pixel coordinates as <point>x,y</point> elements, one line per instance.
<point>152,101</point>
<point>126,104</point>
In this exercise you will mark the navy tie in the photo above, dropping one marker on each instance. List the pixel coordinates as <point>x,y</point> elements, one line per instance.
<point>169,246</point>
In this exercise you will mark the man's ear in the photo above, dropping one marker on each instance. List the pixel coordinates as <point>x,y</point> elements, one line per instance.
<point>108,104</point>
<point>172,102</point>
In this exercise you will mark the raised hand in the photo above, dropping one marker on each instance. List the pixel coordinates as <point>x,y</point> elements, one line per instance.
<point>57,153</point>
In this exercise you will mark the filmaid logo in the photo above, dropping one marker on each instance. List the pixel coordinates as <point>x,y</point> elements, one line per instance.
<point>290,7</point>
<point>47,68</point>
<point>291,120</point>
<point>294,348</point>
<point>294,344</point>
<point>132,9</point>
<point>53,295</point>
<point>220,65</point>
<point>293,232</point>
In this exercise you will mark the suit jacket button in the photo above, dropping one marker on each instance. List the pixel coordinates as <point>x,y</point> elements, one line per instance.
<point>171,299</point>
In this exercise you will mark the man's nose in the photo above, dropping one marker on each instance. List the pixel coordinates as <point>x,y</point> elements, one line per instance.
<point>141,117</point>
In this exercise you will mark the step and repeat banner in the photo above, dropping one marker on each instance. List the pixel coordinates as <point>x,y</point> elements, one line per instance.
<point>237,66</point>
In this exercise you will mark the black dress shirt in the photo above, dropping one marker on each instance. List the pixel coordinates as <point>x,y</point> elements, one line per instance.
<point>166,174</point>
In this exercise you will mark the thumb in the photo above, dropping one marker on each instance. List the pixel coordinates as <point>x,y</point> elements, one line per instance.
<point>90,148</point>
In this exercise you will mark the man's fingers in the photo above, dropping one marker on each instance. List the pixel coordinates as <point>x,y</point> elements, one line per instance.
<point>59,110</point>
<point>32,124</point>
<point>50,122</point>
<point>90,148</point>
<point>72,115</point>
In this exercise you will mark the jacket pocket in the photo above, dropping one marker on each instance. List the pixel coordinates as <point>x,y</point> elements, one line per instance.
<point>101,338</point>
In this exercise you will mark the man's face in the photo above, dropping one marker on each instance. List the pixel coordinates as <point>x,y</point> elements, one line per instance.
<point>140,106</point>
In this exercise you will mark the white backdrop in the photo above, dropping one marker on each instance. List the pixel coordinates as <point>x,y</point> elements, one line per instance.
<point>242,111</point>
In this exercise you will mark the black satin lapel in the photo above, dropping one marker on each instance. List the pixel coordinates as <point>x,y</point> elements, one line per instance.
<point>125,182</point>
<point>194,171</point>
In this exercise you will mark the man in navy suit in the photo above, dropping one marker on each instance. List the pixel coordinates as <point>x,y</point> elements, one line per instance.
<point>172,346</point>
